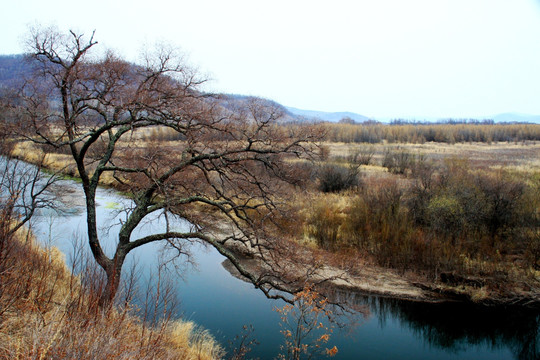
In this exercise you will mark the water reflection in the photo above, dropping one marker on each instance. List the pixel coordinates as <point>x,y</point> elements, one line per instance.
<point>455,327</point>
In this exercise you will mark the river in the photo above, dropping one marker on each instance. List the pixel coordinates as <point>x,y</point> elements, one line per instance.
<point>221,303</point>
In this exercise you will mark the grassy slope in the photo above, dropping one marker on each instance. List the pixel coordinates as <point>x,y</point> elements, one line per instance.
<point>45,313</point>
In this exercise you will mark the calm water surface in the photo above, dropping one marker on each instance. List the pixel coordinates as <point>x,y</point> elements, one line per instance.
<point>394,329</point>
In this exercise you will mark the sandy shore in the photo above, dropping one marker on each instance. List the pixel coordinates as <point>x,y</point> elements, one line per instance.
<point>370,280</point>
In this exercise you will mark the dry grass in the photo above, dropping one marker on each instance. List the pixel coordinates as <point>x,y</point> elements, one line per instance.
<point>57,163</point>
<point>518,156</point>
<point>45,313</point>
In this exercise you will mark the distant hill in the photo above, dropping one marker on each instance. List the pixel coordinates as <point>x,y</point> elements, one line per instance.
<point>232,102</point>
<point>517,117</point>
<point>13,68</point>
<point>326,116</point>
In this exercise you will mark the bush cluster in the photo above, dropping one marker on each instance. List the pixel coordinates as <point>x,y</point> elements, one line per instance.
<point>447,218</point>
<point>336,178</point>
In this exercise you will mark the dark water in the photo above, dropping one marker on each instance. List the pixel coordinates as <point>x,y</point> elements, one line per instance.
<point>393,329</point>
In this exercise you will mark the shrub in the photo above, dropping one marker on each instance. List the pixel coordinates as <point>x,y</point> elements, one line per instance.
<point>398,162</point>
<point>445,215</point>
<point>303,329</point>
<point>324,225</point>
<point>336,178</point>
<point>532,253</point>
<point>503,198</point>
<point>363,155</point>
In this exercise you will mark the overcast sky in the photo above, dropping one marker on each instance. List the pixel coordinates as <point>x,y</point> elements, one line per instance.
<point>380,58</point>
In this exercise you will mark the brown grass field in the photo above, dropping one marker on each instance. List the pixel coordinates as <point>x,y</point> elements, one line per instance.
<point>523,156</point>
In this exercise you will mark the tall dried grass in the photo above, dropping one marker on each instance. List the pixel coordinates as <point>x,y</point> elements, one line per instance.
<point>46,312</point>
<point>420,133</point>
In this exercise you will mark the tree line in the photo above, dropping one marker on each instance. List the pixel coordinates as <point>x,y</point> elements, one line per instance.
<point>420,133</point>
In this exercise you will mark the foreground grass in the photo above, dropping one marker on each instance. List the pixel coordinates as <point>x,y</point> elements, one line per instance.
<point>48,313</point>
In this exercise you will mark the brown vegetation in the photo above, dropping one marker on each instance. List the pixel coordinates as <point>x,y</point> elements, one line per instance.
<point>374,133</point>
<point>455,223</point>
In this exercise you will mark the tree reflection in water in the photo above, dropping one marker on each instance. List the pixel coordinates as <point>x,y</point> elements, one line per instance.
<point>455,326</point>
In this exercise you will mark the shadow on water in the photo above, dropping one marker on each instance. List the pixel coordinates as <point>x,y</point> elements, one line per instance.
<point>456,327</point>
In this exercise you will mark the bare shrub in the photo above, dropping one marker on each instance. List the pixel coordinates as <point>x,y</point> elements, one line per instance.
<point>323,225</point>
<point>302,327</point>
<point>336,178</point>
<point>445,215</point>
<point>398,162</point>
<point>503,200</point>
<point>362,155</point>
<point>533,251</point>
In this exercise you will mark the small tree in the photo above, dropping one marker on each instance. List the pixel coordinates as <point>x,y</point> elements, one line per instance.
<point>303,329</point>
<point>397,162</point>
<point>23,191</point>
<point>23,188</point>
<point>362,155</point>
<point>230,165</point>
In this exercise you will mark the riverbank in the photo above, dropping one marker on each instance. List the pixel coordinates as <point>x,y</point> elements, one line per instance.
<point>47,312</point>
<point>368,279</point>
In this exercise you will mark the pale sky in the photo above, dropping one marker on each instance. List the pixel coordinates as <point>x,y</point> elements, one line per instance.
<point>379,58</point>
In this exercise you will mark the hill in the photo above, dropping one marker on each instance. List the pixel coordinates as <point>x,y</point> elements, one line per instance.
<point>15,67</point>
<point>12,68</point>
<point>313,115</point>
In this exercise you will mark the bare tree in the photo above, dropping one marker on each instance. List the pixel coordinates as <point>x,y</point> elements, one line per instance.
<point>23,188</point>
<point>23,191</point>
<point>231,167</point>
